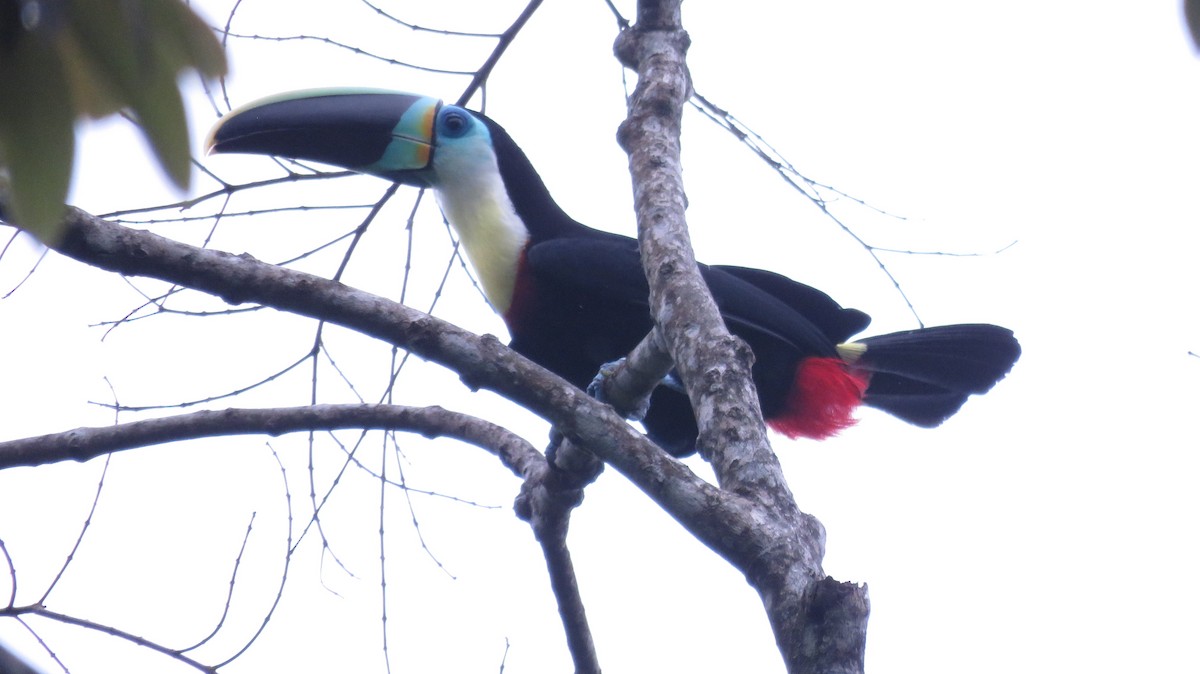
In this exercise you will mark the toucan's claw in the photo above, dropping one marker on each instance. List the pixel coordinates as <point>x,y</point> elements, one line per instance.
<point>596,390</point>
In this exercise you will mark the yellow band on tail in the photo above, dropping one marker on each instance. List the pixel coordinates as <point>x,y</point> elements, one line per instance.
<point>851,351</point>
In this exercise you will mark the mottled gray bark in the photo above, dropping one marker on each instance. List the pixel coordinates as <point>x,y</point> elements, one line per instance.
<point>819,624</point>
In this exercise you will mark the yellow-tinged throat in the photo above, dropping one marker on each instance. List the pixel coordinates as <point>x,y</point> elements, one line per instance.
<point>474,200</point>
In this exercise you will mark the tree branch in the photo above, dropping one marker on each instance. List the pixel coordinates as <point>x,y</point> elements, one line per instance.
<point>547,498</point>
<point>780,554</point>
<point>714,365</point>
<point>481,361</point>
<point>819,624</point>
<point>83,444</point>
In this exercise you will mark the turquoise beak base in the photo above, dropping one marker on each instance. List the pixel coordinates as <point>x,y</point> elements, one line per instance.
<point>382,133</point>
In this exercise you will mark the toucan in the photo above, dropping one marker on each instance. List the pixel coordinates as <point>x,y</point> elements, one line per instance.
<point>575,298</point>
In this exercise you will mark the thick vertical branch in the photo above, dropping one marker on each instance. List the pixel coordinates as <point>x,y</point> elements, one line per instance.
<point>714,365</point>
<point>819,624</point>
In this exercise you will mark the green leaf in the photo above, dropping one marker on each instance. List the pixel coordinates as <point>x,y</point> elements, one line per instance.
<point>94,58</point>
<point>37,136</point>
<point>132,52</point>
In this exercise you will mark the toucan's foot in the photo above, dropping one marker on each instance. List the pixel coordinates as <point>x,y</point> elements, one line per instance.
<point>596,390</point>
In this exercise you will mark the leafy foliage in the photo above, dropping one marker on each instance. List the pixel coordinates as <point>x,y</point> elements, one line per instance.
<point>63,59</point>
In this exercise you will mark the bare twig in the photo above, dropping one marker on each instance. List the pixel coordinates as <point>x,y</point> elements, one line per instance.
<point>43,612</point>
<point>87,523</point>
<point>289,549</point>
<point>210,399</point>
<point>12,574</point>
<point>16,233</point>
<point>237,564</point>
<point>358,51</point>
<point>506,39</point>
<point>383,573</point>
<point>425,29</point>
<point>42,642</point>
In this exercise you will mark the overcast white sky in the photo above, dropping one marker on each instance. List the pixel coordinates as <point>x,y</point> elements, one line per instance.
<point>1049,527</point>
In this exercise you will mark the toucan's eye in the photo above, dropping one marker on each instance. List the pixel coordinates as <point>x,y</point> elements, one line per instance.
<point>454,122</point>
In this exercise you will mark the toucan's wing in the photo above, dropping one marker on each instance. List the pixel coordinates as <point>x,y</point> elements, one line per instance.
<point>838,323</point>
<point>606,265</point>
<point>609,266</point>
<point>750,310</point>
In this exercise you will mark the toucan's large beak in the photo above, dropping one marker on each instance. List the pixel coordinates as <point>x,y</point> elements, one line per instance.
<point>384,133</point>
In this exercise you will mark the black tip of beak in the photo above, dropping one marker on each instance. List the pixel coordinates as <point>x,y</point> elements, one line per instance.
<point>352,129</point>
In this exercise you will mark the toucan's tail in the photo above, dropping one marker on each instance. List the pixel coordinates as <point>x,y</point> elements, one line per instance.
<point>924,376</point>
<point>921,376</point>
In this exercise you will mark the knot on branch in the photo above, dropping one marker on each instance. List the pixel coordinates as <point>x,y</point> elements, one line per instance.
<point>637,42</point>
<point>547,495</point>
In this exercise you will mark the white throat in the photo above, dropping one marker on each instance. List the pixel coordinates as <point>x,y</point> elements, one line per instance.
<point>477,206</point>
